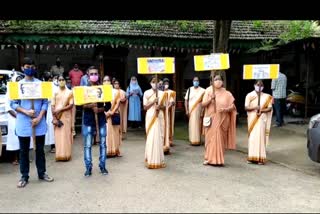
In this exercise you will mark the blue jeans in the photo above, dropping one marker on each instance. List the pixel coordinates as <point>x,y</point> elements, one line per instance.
<point>279,108</point>
<point>88,133</point>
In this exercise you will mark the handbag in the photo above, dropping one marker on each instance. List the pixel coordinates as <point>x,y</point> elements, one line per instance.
<point>115,119</point>
<point>206,121</point>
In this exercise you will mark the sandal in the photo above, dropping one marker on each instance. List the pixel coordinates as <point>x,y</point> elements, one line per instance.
<point>15,162</point>
<point>53,150</point>
<point>206,163</point>
<point>22,183</point>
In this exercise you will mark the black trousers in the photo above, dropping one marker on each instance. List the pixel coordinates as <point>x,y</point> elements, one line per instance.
<point>24,156</point>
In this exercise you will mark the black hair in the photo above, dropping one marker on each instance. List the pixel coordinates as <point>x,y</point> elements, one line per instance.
<point>27,61</point>
<point>166,80</point>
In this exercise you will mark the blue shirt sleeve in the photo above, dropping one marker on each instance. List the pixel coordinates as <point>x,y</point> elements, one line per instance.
<point>44,105</point>
<point>14,104</point>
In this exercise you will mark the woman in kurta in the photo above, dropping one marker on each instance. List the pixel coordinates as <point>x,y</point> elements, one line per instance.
<point>221,133</point>
<point>194,111</point>
<point>259,122</point>
<point>62,104</point>
<point>134,93</point>
<point>123,113</point>
<point>113,131</point>
<point>154,102</point>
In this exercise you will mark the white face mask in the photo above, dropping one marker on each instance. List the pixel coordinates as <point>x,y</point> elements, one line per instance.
<point>166,86</point>
<point>256,88</point>
<point>153,85</point>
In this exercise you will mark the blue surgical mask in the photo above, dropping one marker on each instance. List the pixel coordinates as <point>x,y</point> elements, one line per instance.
<point>195,83</point>
<point>29,72</point>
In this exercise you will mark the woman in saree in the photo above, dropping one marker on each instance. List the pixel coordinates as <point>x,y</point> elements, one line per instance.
<point>194,111</point>
<point>154,102</point>
<point>62,104</point>
<point>113,130</point>
<point>259,122</point>
<point>219,122</point>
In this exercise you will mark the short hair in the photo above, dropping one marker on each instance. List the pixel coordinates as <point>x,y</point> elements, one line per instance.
<point>27,61</point>
<point>166,80</point>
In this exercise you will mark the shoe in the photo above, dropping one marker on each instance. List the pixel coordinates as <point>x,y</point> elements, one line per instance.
<point>53,150</point>
<point>206,163</point>
<point>22,183</point>
<point>46,178</point>
<point>104,171</point>
<point>276,125</point>
<point>74,133</point>
<point>88,173</point>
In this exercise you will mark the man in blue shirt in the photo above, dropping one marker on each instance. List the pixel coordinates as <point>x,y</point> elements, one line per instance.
<point>89,127</point>
<point>27,118</point>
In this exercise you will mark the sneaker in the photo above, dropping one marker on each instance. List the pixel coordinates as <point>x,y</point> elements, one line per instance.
<point>74,133</point>
<point>46,178</point>
<point>88,173</point>
<point>104,171</point>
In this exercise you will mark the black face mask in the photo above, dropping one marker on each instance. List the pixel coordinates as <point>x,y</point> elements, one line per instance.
<point>58,64</point>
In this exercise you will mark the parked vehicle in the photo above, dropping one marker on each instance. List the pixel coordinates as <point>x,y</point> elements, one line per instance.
<point>313,136</point>
<point>5,76</point>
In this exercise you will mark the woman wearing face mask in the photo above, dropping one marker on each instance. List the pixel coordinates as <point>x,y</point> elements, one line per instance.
<point>194,111</point>
<point>62,104</point>
<point>154,106</point>
<point>49,139</point>
<point>114,131</point>
<point>134,93</point>
<point>259,122</point>
<point>169,116</point>
<point>219,122</point>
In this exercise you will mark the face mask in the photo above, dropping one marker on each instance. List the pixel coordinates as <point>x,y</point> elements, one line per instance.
<point>29,72</point>
<point>166,86</point>
<point>256,88</point>
<point>94,78</point>
<point>58,63</point>
<point>195,83</point>
<point>218,83</point>
<point>62,84</point>
<point>153,85</point>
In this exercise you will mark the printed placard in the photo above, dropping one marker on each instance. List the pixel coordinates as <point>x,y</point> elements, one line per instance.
<point>30,90</point>
<point>262,71</point>
<point>156,65</point>
<point>92,94</point>
<point>216,61</point>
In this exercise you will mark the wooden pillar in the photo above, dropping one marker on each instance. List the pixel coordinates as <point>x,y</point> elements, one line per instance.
<point>21,51</point>
<point>101,65</point>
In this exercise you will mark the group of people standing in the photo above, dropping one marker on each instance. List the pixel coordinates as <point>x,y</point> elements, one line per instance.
<point>211,112</point>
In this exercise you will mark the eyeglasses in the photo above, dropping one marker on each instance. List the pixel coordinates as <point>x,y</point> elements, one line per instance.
<point>93,74</point>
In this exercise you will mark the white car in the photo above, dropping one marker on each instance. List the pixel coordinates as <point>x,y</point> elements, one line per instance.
<point>5,76</point>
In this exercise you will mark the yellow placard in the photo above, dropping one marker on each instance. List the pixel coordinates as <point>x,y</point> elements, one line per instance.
<point>92,94</point>
<point>30,90</point>
<point>218,61</point>
<point>263,71</point>
<point>156,65</point>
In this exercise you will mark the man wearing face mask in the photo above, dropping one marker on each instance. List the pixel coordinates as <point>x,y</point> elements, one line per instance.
<point>89,127</point>
<point>28,118</point>
<point>259,123</point>
<point>57,69</point>
<point>169,115</point>
<point>194,111</point>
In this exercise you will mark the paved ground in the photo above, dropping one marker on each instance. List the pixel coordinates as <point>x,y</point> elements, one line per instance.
<point>287,183</point>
